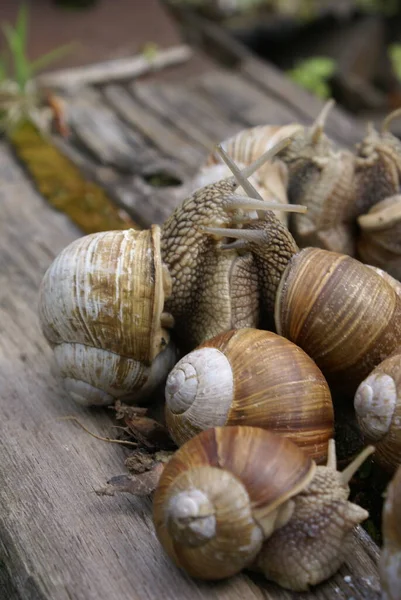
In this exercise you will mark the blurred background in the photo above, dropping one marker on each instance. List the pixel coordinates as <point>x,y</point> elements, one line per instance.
<point>348,49</point>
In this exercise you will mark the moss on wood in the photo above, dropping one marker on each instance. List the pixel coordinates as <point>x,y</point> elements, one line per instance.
<point>63,185</point>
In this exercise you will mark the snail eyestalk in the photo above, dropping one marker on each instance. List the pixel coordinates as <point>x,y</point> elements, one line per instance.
<point>352,468</point>
<point>331,455</point>
<point>389,119</point>
<point>235,202</point>
<point>318,126</point>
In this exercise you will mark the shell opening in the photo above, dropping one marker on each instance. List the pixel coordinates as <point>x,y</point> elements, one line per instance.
<point>375,401</point>
<point>190,518</point>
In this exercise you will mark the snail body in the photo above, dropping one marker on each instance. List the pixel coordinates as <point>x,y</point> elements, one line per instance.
<point>377,405</point>
<point>390,559</point>
<point>251,377</point>
<point>209,277</point>
<point>229,489</point>
<point>101,309</point>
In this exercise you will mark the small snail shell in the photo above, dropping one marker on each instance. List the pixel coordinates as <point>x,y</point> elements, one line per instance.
<point>390,559</point>
<point>379,242</point>
<point>222,493</point>
<point>251,377</point>
<point>230,488</point>
<point>342,313</point>
<point>101,309</point>
<point>378,410</point>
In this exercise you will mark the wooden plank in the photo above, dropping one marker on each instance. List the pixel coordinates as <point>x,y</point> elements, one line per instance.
<point>202,121</point>
<point>58,540</point>
<point>218,43</point>
<point>166,139</point>
<point>115,70</point>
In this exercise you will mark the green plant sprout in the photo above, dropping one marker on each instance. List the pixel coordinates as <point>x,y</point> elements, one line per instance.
<point>394,52</point>
<point>313,75</point>
<point>20,97</point>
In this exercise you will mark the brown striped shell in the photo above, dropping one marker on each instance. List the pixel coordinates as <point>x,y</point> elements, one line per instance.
<point>342,313</point>
<point>390,559</point>
<point>378,411</point>
<point>101,309</point>
<point>222,493</point>
<point>251,377</point>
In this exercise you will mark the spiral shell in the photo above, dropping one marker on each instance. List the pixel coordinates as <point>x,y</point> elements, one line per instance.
<point>342,313</point>
<point>101,309</point>
<point>251,377</point>
<point>214,504</point>
<point>378,410</point>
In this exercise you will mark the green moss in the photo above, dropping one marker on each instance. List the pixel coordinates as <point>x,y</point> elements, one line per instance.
<point>63,185</point>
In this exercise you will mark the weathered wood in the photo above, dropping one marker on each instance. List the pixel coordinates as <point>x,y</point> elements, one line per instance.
<point>217,42</point>
<point>58,539</point>
<point>115,70</point>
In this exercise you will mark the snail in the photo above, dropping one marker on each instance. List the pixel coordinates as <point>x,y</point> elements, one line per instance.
<point>390,559</point>
<point>215,287</point>
<point>101,309</point>
<point>377,405</point>
<point>338,310</point>
<point>243,497</point>
<point>250,377</point>
<point>244,148</point>
<point>379,241</point>
<point>321,177</point>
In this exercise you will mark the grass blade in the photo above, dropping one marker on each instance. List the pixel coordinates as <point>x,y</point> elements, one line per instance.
<point>52,56</point>
<point>22,72</point>
<point>21,27</point>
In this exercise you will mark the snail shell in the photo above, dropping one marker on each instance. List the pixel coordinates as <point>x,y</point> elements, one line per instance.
<point>378,410</point>
<point>244,148</point>
<point>251,377</point>
<point>379,242</point>
<point>101,309</point>
<point>342,313</point>
<point>237,497</point>
<point>222,493</point>
<point>390,559</point>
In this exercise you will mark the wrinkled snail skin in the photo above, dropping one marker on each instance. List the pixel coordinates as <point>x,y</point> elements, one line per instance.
<point>390,559</point>
<point>101,309</point>
<point>321,177</point>
<point>237,497</point>
<point>215,284</point>
<point>379,240</point>
<point>340,312</point>
<point>251,377</point>
<point>377,405</point>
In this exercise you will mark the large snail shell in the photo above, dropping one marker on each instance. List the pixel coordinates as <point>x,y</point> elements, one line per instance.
<point>379,242</point>
<point>343,314</point>
<point>378,410</point>
<point>390,559</point>
<point>251,377</point>
<point>222,493</point>
<point>101,308</point>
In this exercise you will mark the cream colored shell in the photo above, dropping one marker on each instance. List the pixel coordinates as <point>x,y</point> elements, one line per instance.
<point>377,405</point>
<point>101,309</point>
<point>244,148</point>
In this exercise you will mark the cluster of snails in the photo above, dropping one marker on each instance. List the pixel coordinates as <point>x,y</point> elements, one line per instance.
<point>251,334</point>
